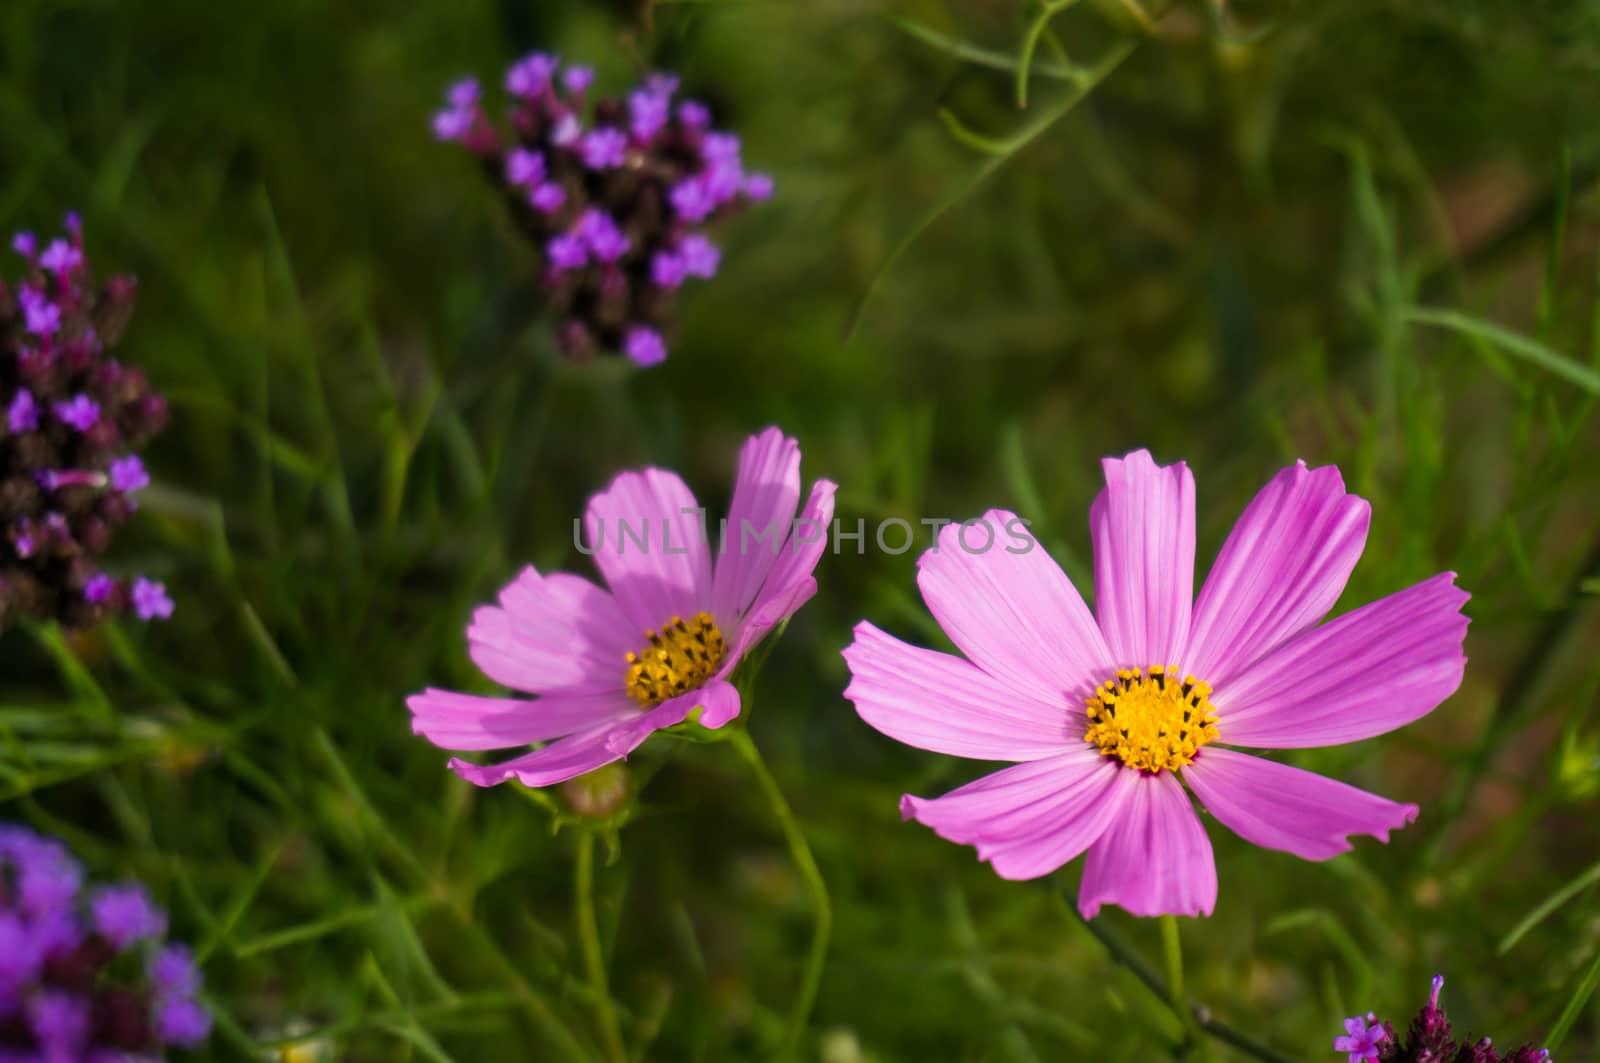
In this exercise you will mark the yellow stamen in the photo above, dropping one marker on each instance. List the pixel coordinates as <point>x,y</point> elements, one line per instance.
<point>680,658</point>
<point>1151,721</point>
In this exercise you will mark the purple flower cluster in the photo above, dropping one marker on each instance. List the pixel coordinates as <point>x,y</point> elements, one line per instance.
<point>73,417</point>
<point>85,973</point>
<point>1429,1039</point>
<point>613,203</point>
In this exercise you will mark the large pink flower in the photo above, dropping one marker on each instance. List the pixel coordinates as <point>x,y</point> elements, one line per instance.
<point>609,667</point>
<point>1104,712</point>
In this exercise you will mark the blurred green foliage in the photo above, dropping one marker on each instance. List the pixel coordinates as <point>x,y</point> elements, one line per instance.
<point>1227,233</point>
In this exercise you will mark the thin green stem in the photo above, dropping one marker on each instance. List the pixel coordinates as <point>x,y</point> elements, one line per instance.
<point>594,960</point>
<point>1201,1015</point>
<point>806,864</point>
<point>1030,41</point>
<point>1172,948</point>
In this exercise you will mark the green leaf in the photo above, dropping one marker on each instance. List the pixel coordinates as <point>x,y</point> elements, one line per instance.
<point>1517,346</point>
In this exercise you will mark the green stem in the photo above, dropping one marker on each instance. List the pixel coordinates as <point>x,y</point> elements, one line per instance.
<point>1198,1013</point>
<point>594,961</point>
<point>806,864</point>
<point>1172,947</point>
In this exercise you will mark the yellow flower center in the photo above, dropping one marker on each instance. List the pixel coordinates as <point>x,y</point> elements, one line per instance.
<point>1151,721</point>
<point>680,658</point>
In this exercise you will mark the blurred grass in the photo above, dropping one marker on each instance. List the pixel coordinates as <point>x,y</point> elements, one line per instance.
<point>1221,252</point>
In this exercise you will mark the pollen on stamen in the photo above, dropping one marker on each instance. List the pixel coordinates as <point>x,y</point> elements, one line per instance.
<point>678,659</point>
<point>1149,720</point>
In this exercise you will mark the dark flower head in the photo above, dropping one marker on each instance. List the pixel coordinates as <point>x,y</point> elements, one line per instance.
<point>73,418</point>
<point>1428,1040</point>
<point>611,195</point>
<point>85,974</point>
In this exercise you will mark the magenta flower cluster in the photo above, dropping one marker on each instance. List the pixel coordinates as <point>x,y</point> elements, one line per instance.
<point>86,975</point>
<point>613,196</point>
<point>74,417</point>
<point>1429,1039</point>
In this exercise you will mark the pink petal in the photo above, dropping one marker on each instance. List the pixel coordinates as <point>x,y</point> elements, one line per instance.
<point>626,738</point>
<point>1155,858</point>
<point>553,634</point>
<point>557,762</point>
<point>760,519</point>
<point>718,702</point>
<point>1029,819</point>
<point>670,573</point>
<point>1143,530</point>
<point>1276,806</point>
<point>1284,565</point>
<point>790,584</point>
<point>1365,673</point>
<point>1015,615</point>
<point>466,721</point>
<point>934,701</point>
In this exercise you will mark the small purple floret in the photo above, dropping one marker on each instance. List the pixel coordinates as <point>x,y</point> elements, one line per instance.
<point>124,914</point>
<point>23,413</point>
<point>667,269</point>
<point>644,346</point>
<point>128,474</point>
<point>99,587</point>
<point>568,251</point>
<point>700,256</point>
<point>531,75</point>
<point>548,198</point>
<point>604,148</point>
<point>524,167</point>
<point>577,79</point>
<point>150,601</point>
<point>81,412</point>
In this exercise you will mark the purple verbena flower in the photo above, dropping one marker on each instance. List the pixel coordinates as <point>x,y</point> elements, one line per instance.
<point>700,256</point>
<point>150,600</point>
<point>568,251</point>
<point>1360,1040</point>
<point>692,200</point>
<point>694,114</point>
<point>605,240</point>
<point>577,79</point>
<point>1429,1039</point>
<point>647,113</point>
<point>644,346</point>
<point>524,168</point>
<point>99,587</point>
<point>86,991</point>
<point>667,269</point>
<point>61,257</point>
<point>623,183</point>
<point>123,914</point>
<point>455,121</point>
<point>568,131</point>
<point>80,412</point>
<point>530,75</point>
<point>604,148</point>
<point>25,244</point>
<point>59,1021</point>
<point>40,316</point>
<point>547,198</point>
<point>22,415</point>
<point>183,1021</point>
<point>128,474</point>
<point>758,187</point>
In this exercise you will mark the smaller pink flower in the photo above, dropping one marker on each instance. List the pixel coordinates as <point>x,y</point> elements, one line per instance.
<point>608,667</point>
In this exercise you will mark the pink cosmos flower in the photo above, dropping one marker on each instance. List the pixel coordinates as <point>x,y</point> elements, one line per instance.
<point>1106,712</point>
<point>606,668</point>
